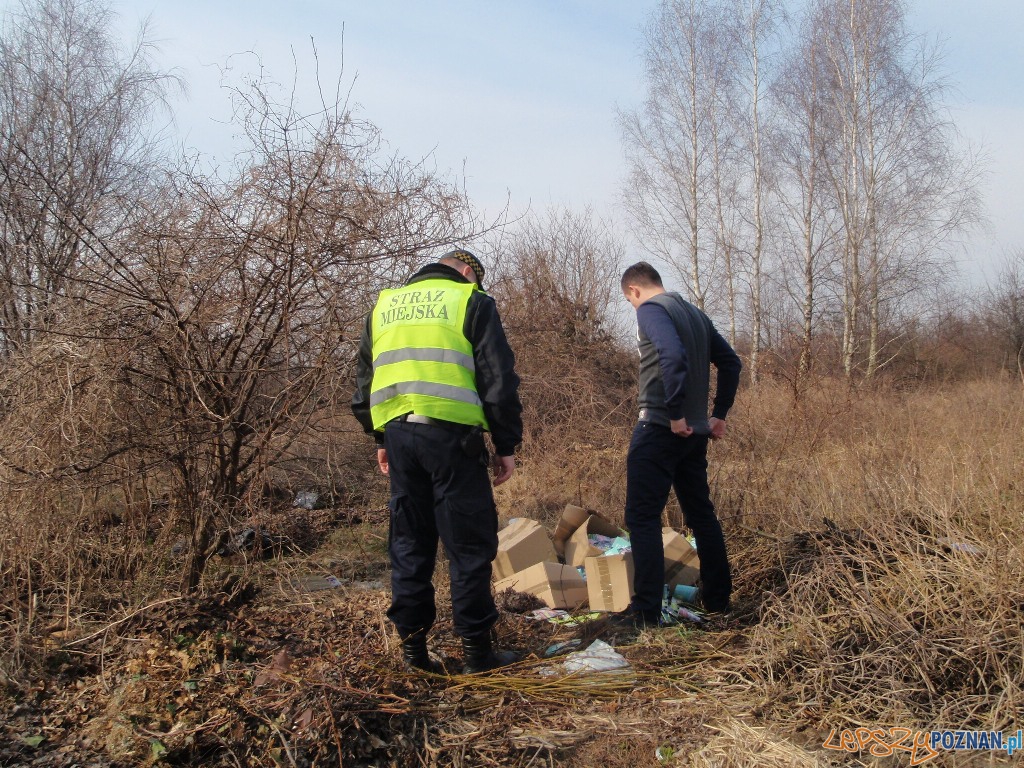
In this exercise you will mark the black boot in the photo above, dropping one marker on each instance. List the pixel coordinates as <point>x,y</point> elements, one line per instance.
<point>414,653</point>
<point>481,657</point>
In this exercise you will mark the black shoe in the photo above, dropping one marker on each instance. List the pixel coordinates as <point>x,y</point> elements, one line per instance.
<point>415,655</point>
<point>712,610</point>
<point>481,657</point>
<point>631,619</point>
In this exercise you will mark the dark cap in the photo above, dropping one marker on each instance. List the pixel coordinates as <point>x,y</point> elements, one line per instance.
<point>468,258</point>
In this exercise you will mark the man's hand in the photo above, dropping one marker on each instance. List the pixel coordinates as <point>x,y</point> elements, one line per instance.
<point>503,467</point>
<point>717,428</point>
<point>680,427</point>
<point>382,460</point>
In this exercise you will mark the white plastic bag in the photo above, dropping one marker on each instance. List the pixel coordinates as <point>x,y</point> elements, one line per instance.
<point>599,657</point>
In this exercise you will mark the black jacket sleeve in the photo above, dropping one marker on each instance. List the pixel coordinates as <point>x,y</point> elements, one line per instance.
<point>364,377</point>
<point>729,366</point>
<point>496,380</point>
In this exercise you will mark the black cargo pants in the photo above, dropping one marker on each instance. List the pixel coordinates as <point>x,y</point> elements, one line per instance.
<point>437,491</point>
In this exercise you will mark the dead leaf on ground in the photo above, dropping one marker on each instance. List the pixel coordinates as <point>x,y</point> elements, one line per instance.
<point>278,668</point>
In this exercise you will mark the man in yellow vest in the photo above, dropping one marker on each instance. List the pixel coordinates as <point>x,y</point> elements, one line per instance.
<point>434,372</point>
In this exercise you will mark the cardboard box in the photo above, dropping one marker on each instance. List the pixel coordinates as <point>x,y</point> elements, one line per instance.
<point>682,565</point>
<point>559,586</point>
<point>610,582</point>
<point>572,518</point>
<point>578,548</point>
<point>521,544</point>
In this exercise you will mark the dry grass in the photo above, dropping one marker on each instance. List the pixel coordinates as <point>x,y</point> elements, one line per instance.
<point>866,614</point>
<point>852,610</point>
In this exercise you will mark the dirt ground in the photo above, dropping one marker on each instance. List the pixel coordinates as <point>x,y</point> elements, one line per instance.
<point>289,660</point>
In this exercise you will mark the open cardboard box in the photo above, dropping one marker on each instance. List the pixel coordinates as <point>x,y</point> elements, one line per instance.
<point>559,586</point>
<point>682,565</point>
<point>610,577</point>
<point>578,548</point>
<point>525,563</point>
<point>521,543</point>
<point>572,518</point>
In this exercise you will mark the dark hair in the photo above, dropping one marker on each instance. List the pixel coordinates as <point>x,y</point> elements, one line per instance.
<point>642,274</point>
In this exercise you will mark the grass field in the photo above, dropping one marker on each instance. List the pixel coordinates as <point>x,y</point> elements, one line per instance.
<point>877,539</point>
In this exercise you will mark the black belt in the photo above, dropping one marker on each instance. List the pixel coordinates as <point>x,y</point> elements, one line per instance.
<point>415,418</point>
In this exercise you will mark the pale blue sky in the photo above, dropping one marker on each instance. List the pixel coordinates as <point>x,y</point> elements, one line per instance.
<point>521,96</point>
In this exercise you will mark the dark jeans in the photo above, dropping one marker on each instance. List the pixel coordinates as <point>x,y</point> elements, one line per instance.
<point>437,491</point>
<point>658,461</point>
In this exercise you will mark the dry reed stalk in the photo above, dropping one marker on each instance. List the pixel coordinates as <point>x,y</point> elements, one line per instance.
<point>739,745</point>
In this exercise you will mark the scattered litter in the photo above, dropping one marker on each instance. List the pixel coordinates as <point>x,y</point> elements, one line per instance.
<point>582,618</point>
<point>665,754</point>
<point>306,499</point>
<point>312,499</point>
<point>688,615</point>
<point>961,546</point>
<point>558,648</point>
<point>610,545</point>
<point>685,593</point>
<point>599,657</point>
<point>313,583</point>
<point>376,585</point>
<point>562,617</point>
<point>547,614</point>
<point>619,546</point>
<point>245,540</point>
<point>678,606</point>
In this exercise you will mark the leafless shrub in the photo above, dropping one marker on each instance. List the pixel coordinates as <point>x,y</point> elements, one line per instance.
<point>194,347</point>
<point>558,291</point>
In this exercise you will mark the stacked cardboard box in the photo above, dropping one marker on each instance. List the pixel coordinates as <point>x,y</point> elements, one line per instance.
<point>521,543</point>
<point>528,561</point>
<point>558,585</point>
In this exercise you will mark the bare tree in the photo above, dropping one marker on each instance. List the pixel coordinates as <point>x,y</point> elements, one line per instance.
<point>1004,312</point>
<point>805,215</point>
<point>251,293</point>
<point>558,290</point>
<point>223,323</point>
<point>902,186</point>
<point>668,141</point>
<point>751,26</point>
<point>564,267</point>
<point>76,149</point>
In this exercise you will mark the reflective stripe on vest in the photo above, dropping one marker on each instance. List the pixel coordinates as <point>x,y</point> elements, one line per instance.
<point>422,360</point>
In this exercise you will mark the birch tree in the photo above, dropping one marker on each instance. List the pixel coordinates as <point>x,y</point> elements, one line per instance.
<point>668,144</point>
<point>752,24</point>
<point>899,179</point>
<point>807,219</point>
<point>76,149</point>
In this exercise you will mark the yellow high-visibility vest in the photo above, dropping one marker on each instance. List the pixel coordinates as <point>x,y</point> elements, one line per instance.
<point>422,360</point>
